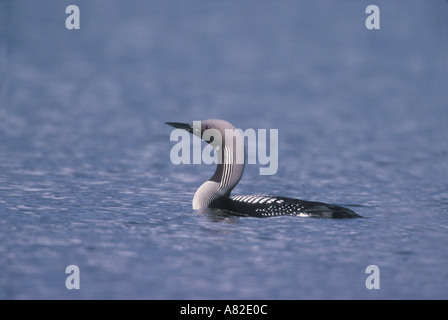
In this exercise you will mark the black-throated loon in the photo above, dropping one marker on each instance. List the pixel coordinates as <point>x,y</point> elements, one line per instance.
<point>215,193</point>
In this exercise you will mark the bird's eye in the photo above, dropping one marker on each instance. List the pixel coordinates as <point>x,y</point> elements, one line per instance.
<point>207,127</point>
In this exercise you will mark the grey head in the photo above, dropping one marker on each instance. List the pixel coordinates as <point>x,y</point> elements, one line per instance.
<point>228,143</point>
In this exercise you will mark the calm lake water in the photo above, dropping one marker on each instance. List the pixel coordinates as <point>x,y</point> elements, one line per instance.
<point>86,177</point>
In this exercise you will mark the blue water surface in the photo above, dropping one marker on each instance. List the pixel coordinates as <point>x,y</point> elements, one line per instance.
<point>86,177</point>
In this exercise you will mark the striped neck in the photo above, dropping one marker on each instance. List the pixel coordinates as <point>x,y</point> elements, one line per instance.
<point>227,175</point>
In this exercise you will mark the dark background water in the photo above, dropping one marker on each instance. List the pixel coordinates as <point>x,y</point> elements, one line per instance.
<point>85,174</point>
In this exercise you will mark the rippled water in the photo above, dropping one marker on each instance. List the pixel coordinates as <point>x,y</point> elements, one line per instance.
<point>85,176</point>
